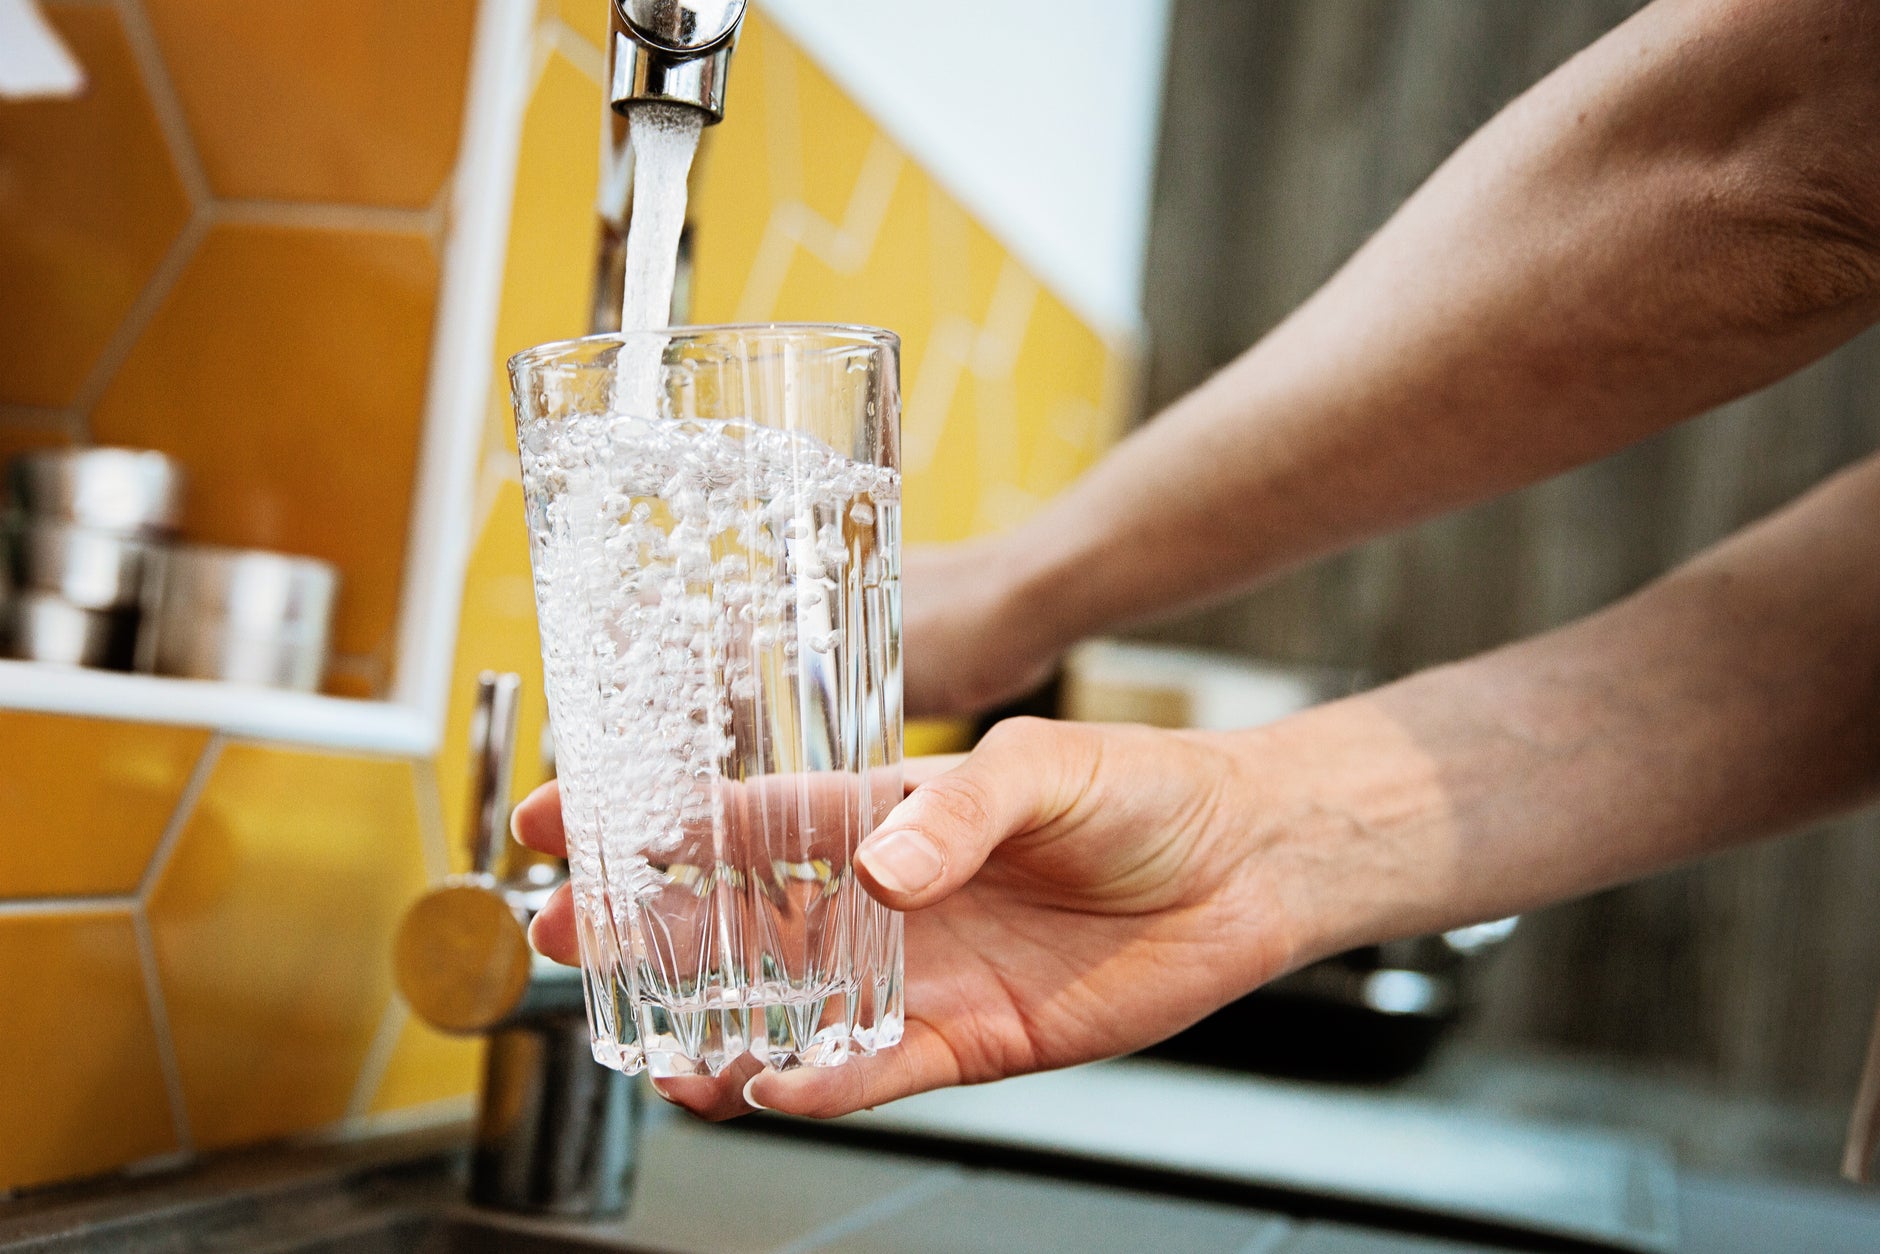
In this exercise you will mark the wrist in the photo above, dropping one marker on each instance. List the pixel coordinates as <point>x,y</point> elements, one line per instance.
<point>971,644</point>
<point>1347,829</point>
<point>1020,624</point>
<point>1049,590</point>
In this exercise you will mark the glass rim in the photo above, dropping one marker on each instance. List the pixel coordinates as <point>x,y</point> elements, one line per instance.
<point>857,334</point>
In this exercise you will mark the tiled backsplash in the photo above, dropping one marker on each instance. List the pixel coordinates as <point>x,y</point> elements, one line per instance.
<point>229,249</point>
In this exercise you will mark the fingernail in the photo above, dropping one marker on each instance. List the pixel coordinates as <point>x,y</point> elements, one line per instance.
<point>749,1100</point>
<point>904,862</point>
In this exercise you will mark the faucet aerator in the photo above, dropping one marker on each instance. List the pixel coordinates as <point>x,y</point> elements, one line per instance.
<point>673,52</point>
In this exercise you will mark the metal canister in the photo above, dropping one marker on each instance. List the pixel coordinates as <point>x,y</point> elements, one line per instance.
<point>84,543</point>
<point>90,568</point>
<point>247,616</point>
<point>44,627</point>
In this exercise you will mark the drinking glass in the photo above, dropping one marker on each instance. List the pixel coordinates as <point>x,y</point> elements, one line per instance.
<point>714,523</point>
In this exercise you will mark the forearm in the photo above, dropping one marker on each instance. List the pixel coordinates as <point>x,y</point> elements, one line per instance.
<point>1734,699</point>
<point>1683,213</point>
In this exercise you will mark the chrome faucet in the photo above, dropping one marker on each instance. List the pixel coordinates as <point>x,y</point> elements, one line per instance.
<point>664,51</point>
<point>676,51</point>
<point>556,1131</point>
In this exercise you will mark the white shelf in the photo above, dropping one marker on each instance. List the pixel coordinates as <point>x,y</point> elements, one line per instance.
<point>299,718</point>
<point>438,547</point>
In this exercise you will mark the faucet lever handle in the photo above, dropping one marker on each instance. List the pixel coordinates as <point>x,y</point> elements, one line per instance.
<point>682,27</point>
<point>493,763</point>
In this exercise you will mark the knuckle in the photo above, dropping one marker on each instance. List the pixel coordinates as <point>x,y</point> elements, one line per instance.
<point>1021,732</point>
<point>839,1095</point>
<point>1058,756</point>
<point>961,800</point>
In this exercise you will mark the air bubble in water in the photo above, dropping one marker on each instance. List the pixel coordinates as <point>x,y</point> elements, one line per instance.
<point>672,632</point>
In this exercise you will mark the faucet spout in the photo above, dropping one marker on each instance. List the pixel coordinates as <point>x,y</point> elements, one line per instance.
<point>673,51</point>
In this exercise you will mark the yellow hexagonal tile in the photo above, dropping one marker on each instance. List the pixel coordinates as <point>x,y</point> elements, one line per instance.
<point>95,797</point>
<point>273,926</point>
<point>548,273</point>
<point>287,371</point>
<point>89,204</point>
<point>349,101</point>
<point>889,285</point>
<point>344,680</point>
<point>589,18</point>
<point>734,191</point>
<point>944,501</point>
<point>78,1055</point>
<point>831,134</point>
<point>548,276</point>
<point>427,1066</point>
<point>26,437</point>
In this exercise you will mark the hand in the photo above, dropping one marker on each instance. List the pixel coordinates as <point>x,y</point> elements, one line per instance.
<point>1075,892</point>
<point>968,646</point>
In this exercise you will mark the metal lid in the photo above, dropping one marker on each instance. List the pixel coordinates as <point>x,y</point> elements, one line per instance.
<point>248,590</point>
<point>113,489</point>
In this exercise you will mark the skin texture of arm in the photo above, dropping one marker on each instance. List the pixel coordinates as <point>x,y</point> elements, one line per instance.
<point>1078,891</point>
<point>1684,212</point>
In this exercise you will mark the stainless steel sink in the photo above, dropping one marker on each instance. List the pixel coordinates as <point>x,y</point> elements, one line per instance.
<point>419,1234</point>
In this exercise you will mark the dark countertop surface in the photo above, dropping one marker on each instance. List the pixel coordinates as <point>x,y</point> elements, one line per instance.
<point>845,1199</point>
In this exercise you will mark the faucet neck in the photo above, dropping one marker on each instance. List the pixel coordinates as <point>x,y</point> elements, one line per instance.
<point>556,1131</point>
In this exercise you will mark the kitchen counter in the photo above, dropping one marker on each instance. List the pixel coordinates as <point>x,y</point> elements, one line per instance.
<point>765,1188</point>
<point>1716,1132</point>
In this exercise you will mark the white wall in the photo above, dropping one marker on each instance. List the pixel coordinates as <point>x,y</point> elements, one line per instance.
<point>1040,117</point>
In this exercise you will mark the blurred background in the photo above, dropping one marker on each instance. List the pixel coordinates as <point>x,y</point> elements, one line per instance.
<point>1288,136</point>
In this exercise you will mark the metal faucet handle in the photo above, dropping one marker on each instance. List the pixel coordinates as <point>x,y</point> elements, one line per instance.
<point>556,1132</point>
<point>462,956</point>
<point>493,758</point>
<point>687,27</point>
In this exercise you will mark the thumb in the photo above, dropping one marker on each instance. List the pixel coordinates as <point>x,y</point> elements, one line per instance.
<point>938,838</point>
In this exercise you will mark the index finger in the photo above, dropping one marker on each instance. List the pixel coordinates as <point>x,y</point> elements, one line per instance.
<point>917,771</point>
<point>536,821</point>
<point>922,1061</point>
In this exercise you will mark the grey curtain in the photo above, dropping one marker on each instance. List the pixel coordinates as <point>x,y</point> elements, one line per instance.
<point>1292,129</point>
